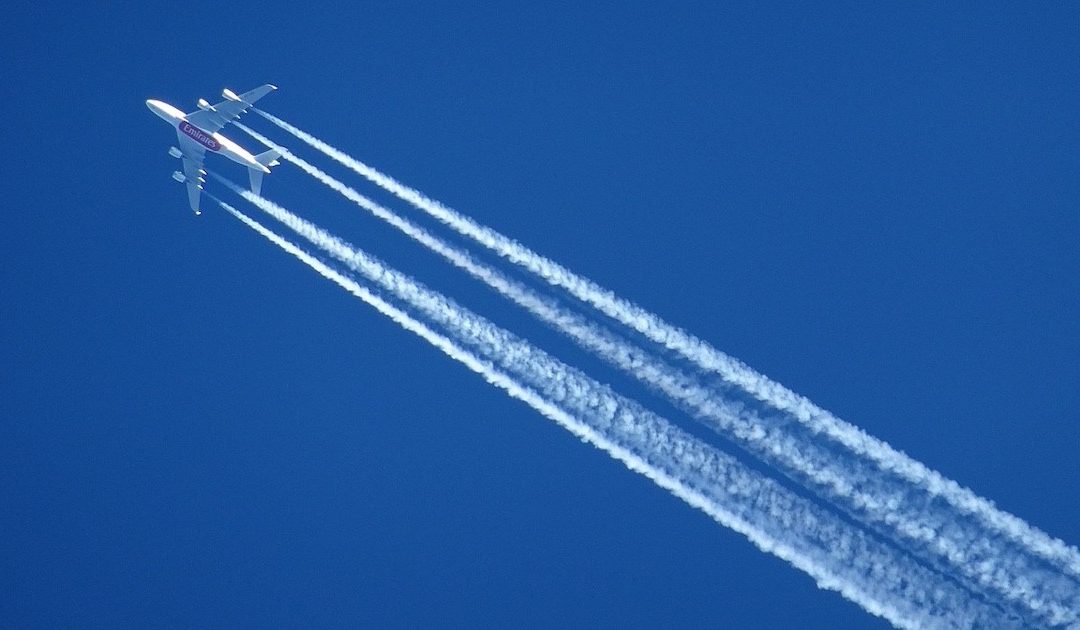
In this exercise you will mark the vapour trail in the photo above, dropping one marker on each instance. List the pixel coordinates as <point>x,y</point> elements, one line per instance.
<point>711,359</point>
<point>956,543</point>
<point>882,580</point>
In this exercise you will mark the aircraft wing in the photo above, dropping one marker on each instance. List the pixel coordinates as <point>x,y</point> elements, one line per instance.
<point>192,175</point>
<point>193,169</point>
<point>214,117</point>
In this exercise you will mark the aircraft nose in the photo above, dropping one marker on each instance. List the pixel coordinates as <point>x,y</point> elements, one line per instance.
<point>157,107</point>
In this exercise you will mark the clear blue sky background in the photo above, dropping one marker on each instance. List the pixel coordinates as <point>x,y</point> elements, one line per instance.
<point>879,207</point>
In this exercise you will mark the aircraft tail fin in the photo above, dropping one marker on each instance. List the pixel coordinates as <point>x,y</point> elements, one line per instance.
<point>267,159</point>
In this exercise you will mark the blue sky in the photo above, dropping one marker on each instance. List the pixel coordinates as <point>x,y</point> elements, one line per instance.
<point>876,206</point>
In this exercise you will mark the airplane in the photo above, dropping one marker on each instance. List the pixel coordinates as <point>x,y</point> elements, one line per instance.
<point>198,131</point>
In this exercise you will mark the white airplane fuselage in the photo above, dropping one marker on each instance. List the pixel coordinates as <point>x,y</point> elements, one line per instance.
<point>214,142</point>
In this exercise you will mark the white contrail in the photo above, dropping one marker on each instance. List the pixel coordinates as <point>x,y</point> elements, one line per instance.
<point>708,358</point>
<point>880,500</point>
<point>882,580</point>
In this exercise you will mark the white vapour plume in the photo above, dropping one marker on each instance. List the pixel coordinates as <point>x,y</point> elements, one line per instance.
<point>820,421</point>
<point>984,560</point>
<point>882,580</point>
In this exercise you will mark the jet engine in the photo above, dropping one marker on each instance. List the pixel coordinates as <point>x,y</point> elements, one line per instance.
<point>176,153</point>
<point>204,105</point>
<point>178,176</point>
<point>227,93</point>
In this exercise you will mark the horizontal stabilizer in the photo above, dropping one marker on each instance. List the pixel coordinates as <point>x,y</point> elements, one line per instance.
<point>256,180</point>
<point>268,158</point>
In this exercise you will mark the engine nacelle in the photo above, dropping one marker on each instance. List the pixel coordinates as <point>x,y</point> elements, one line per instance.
<point>204,105</point>
<point>227,93</point>
<point>178,176</point>
<point>176,153</point>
